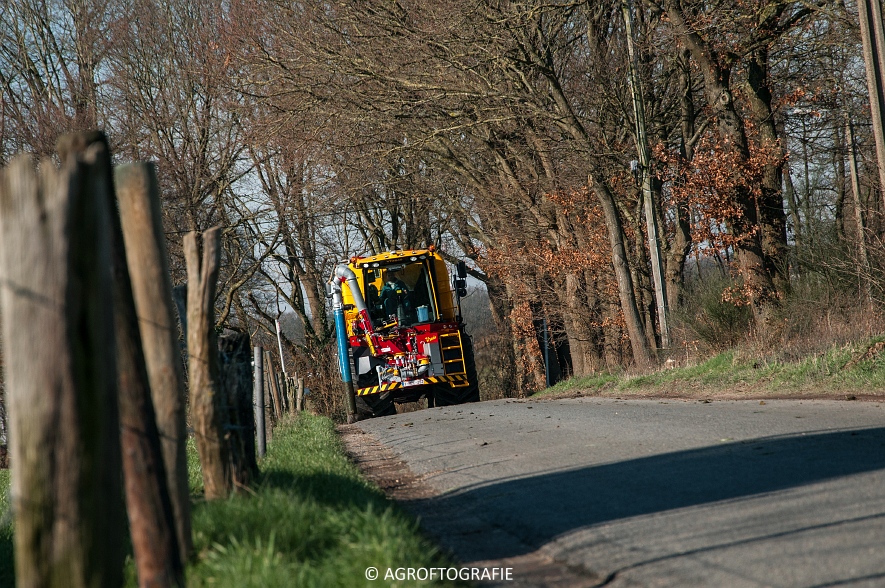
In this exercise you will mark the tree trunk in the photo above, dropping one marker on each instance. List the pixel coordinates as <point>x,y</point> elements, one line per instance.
<point>642,355</point>
<point>642,284</point>
<point>569,297</point>
<point>530,375</point>
<point>60,368</point>
<point>749,249</point>
<point>865,270</point>
<point>152,288</point>
<point>680,246</point>
<point>615,349</point>
<point>205,390</point>
<point>872,34</point>
<point>578,316</point>
<point>770,205</point>
<point>838,161</point>
<point>595,318</point>
<point>795,215</point>
<point>499,304</point>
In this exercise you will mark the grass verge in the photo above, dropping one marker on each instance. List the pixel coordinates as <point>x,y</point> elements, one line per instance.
<point>853,369</point>
<point>311,521</point>
<point>7,566</point>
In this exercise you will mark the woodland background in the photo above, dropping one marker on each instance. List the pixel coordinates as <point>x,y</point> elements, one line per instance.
<point>503,132</point>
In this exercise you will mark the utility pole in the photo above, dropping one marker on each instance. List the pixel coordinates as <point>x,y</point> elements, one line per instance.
<point>642,148</point>
<point>865,269</point>
<point>872,35</point>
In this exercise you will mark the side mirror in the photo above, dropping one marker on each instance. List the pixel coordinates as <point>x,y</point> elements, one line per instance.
<point>329,290</point>
<point>461,279</point>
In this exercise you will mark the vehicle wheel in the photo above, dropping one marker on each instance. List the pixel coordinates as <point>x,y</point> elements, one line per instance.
<point>375,405</point>
<point>446,395</point>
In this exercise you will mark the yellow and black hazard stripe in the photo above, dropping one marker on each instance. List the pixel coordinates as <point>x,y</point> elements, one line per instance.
<point>378,389</point>
<point>454,380</point>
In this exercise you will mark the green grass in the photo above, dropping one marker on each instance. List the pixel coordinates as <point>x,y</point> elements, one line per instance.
<point>858,367</point>
<point>7,569</point>
<point>311,521</point>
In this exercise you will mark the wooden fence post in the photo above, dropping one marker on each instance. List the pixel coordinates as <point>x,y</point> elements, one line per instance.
<point>280,403</point>
<point>281,390</point>
<point>280,395</point>
<point>236,382</point>
<point>274,403</point>
<point>299,397</point>
<point>258,398</point>
<point>61,385</point>
<point>148,263</point>
<point>290,394</point>
<point>202,279</point>
<point>151,521</point>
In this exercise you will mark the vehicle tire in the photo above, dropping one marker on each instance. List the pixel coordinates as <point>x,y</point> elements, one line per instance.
<point>445,395</point>
<point>375,405</point>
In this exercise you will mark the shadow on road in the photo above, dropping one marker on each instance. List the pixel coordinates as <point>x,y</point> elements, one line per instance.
<point>542,507</point>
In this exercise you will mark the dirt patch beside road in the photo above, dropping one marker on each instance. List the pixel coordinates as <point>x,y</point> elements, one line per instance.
<point>452,531</point>
<point>382,467</point>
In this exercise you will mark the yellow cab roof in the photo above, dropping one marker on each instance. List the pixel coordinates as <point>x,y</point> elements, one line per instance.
<point>392,256</point>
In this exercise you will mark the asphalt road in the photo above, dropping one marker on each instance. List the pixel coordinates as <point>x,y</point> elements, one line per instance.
<point>657,493</point>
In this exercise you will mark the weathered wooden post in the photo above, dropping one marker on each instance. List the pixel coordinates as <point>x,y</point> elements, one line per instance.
<point>299,397</point>
<point>147,259</point>
<point>291,403</point>
<point>151,521</point>
<point>258,399</point>
<point>235,380</point>
<point>280,381</point>
<point>60,367</point>
<point>202,279</point>
<point>279,402</point>
<point>274,404</point>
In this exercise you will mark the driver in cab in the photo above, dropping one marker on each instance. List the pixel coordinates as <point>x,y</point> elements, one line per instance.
<point>395,297</point>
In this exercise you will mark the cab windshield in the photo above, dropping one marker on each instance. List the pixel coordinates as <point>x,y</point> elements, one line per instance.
<point>400,291</point>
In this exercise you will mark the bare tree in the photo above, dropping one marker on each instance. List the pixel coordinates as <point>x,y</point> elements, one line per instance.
<point>52,69</point>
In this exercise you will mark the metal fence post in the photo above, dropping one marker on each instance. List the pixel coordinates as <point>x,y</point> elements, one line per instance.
<point>258,400</point>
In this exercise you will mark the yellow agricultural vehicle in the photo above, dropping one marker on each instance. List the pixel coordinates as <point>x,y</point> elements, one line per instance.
<point>400,332</point>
